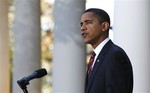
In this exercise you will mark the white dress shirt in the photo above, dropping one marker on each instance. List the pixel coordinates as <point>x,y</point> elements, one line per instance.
<point>98,49</point>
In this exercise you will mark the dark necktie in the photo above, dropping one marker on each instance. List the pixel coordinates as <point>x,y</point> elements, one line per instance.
<point>91,63</point>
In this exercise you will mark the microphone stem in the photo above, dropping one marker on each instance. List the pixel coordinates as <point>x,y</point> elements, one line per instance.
<point>25,90</point>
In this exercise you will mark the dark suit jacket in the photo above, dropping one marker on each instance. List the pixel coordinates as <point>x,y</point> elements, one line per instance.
<point>112,72</point>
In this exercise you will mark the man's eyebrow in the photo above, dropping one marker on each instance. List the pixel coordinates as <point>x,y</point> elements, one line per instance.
<point>85,21</point>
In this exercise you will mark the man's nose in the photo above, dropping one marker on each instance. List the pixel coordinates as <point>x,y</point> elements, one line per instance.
<point>83,28</point>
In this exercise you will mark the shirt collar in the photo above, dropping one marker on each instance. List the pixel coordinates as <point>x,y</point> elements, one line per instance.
<point>100,46</point>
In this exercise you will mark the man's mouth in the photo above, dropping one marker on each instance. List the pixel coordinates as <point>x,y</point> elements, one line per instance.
<point>84,35</point>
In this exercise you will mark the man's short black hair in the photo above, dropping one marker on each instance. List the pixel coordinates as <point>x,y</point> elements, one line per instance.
<point>101,14</point>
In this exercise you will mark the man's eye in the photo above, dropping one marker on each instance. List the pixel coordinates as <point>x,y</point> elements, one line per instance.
<point>88,22</point>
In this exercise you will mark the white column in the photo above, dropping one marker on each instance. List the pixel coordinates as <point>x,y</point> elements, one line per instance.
<point>132,32</point>
<point>69,49</point>
<point>4,48</point>
<point>27,31</point>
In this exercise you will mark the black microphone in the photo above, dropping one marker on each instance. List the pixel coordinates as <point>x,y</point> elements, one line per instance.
<point>36,74</point>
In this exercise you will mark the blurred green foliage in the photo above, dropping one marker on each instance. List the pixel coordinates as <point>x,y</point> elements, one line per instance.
<point>46,40</point>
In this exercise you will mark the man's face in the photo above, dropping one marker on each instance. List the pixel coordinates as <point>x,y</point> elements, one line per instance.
<point>91,29</point>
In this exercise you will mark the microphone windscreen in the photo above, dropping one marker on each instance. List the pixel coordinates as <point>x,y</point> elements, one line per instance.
<point>40,73</point>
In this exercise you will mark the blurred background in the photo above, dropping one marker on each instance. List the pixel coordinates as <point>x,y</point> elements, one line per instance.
<point>38,34</point>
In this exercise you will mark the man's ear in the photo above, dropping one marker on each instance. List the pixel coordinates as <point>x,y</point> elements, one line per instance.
<point>105,26</point>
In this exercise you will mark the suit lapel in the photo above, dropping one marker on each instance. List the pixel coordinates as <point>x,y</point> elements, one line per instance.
<point>98,62</point>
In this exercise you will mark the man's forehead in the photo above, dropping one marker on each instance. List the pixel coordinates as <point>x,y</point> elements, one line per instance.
<point>87,16</point>
<point>90,14</point>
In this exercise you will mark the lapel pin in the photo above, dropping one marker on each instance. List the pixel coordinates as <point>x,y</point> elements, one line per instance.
<point>97,60</point>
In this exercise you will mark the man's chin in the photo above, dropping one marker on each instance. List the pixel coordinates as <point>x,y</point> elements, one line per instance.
<point>86,42</point>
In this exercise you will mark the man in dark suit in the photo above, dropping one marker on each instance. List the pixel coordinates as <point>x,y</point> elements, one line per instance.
<point>111,70</point>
